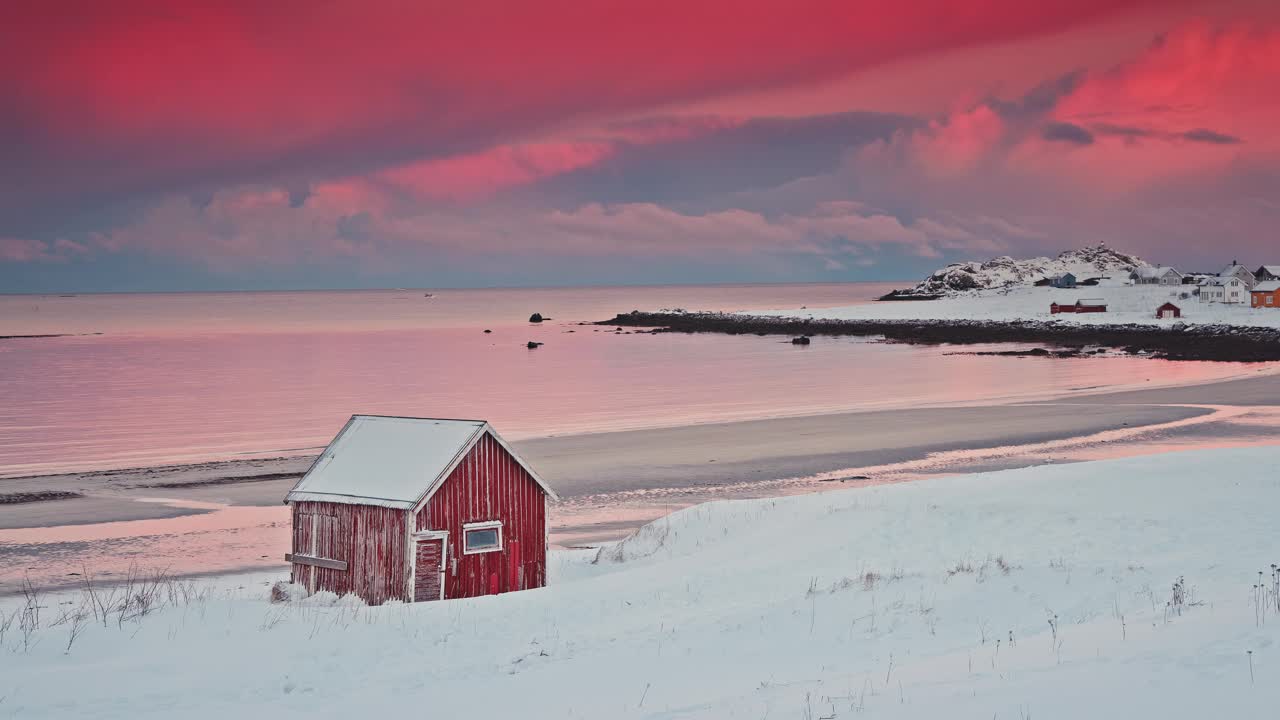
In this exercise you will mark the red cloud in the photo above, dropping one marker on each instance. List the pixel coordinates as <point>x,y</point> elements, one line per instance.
<point>144,94</point>
<point>466,177</point>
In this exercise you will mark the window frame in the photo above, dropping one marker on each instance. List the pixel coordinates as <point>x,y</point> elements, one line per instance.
<point>468,528</point>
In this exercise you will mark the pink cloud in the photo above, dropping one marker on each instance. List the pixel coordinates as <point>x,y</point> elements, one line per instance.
<point>20,250</point>
<point>477,175</point>
<point>243,91</point>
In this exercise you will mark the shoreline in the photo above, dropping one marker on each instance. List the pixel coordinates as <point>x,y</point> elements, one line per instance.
<point>264,480</point>
<point>614,482</point>
<point>1215,343</point>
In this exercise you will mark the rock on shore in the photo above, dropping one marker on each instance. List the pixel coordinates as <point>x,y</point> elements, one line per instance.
<point>1188,342</point>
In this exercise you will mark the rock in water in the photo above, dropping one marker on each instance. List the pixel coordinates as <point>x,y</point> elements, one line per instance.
<point>536,317</point>
<point>802,340</point>
<point>486,332</point>
<point>531,344</point>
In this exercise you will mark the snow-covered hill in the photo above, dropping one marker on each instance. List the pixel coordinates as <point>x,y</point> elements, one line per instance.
<point>1118,589</point>
<point>1085,263</point>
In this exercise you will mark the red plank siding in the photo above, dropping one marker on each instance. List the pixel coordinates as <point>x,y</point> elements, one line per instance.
<point>490,485</point>
<point>369,538</point>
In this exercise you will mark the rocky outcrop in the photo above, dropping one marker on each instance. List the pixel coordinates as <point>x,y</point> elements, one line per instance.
<point>1004,271</point>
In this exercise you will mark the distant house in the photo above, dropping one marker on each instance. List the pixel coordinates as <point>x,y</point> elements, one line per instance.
<point>1063,280</point>
<point>1224,289</point>
<point>1265,294</point>
<point>1267,272</point>
<point>1091,305</point>
<point>1237,270</point>
<point>417,509</point>
<point>1155,276</point>
<point>1168,310</point>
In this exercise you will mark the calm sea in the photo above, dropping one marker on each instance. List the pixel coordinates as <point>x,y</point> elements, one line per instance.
<point>152,379</point>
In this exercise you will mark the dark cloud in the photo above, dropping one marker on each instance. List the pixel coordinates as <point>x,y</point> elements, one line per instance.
<point>1067,132</point>
<point>758,154</point>
<point>1125,131</point>
<point>1208,136</point>
<point>1038,101</point>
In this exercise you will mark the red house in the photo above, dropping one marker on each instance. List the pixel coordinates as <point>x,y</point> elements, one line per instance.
<point>1080,306</point>
<point>1168,310</point>
<point>417,509</point>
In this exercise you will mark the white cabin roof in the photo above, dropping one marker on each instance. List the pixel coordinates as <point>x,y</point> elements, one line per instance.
<point>1273,269</point>
<point>1267,286</point>
<point>1154,272</point>
<point>1091,301</point>
<point>1220,280</point>
<point>393,461</point>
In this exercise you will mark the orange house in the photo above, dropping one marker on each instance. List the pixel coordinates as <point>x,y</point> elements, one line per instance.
<point>1265,294</point>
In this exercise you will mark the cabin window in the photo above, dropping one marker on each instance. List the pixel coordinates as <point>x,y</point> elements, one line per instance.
<point>1270,298</point>
<point>482,537</point>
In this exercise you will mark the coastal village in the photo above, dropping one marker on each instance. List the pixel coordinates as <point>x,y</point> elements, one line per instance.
<point>1235,284</point>
<point>1094,285</point>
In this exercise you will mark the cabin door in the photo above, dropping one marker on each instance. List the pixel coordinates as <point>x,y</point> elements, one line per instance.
<point>428,572</point>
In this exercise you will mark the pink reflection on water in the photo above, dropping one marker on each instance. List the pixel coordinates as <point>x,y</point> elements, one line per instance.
<point>220,539</point>
<point>75,404</point>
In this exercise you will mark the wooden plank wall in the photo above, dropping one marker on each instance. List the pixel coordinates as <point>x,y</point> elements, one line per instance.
<point>490,485</point>
<point>370,539</point>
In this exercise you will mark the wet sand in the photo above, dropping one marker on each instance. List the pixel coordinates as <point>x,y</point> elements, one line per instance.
<point>696,456</point>
<point>227,517</point>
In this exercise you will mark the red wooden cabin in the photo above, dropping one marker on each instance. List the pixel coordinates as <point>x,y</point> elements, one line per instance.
<point>418,509</point>
<point>1080,306</point>
<point>1168,310</point>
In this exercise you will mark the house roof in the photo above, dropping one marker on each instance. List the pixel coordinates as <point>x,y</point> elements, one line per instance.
<point>1273,269</point>
<point>393,461</point>
<point>1155,272</point>
<point>1168,305</point>
<point>1231,269</point>
<point>1267,286</point>
<point>1219,280</point>
<point>1091,301</point>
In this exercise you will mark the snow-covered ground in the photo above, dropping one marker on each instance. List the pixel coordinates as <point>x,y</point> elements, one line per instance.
<point>1045,592</point>
<point>1125,304</point>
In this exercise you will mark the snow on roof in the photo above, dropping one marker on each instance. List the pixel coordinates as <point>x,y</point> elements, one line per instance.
<point>1091,301</point>
<point>1219,280</point>
<point>1267,286</point>
<point>1154,272</point>
<point>392,461</point>
<point>1231,269</point>
<point>1273,269</point>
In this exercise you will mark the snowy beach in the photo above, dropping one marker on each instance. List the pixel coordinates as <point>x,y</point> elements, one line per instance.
<point>223,517</point>
<point>1117,589</point>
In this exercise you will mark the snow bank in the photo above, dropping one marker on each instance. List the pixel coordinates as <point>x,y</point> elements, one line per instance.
<point>1045,592</point>
<point>1126,304</point>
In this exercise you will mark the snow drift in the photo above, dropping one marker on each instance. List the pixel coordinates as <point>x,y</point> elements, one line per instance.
<point>1122,589</point>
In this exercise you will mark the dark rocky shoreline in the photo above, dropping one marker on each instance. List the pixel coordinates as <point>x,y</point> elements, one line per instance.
<point>1220,343</point>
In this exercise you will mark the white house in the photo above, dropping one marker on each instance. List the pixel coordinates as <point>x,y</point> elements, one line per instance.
<point>1267,272</point>
<point>1155,276</point>
<point>1224,289</point>
<point>1242,273</point>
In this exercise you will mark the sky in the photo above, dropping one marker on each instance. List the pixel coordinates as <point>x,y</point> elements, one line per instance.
<point>227,144</point>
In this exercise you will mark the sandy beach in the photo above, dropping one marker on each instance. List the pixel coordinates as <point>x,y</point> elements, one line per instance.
<point>228,516</point>
<point>694,456</point>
